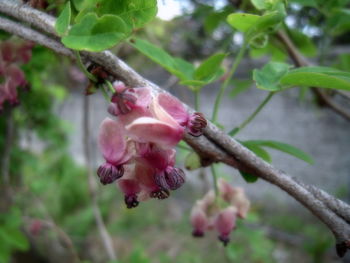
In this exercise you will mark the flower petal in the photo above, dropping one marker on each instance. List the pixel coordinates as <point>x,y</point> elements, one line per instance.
<point>146,129</point>
<point>174,107</point>
<point>112,141</point>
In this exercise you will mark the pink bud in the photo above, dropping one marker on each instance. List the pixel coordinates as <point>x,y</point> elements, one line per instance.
<point>172,178</point>
<point>199,221</point>
<point>225,223</point>
<point>196,124</point>
<point>108,173</point>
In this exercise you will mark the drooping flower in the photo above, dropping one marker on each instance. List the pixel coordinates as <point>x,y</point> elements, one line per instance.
<point>12,55</point>
<point>219,212</point>
<point>152,126</point>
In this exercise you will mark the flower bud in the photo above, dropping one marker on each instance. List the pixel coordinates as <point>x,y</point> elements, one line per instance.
<point>196,124</point>
<point>108,173</point>
<point>225,223</point>
<point>199,221</point>
<point>172,178</point>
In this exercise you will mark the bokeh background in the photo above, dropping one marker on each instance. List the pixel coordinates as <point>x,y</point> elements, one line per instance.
<point>50,198</point>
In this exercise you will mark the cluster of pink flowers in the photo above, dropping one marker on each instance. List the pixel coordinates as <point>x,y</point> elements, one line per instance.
<point>139,145</point>
<point>12,55</point>
<point>219,212</point>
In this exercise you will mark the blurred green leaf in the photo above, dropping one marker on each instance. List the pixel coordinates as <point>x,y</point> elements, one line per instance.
<point>258,151</point>
<point>180,68</point>
<point>249,178</point>
<point>308,3</point>
<point>242,21</point>
<point>268,78</point>
<point>283,147</point>
<point>63,20</point>
<point>321,77</point>
<point>259,4</point>
<point>135,13</point>
<point>239,86</point>
<point>209,68</point>
<point>96,34</point>
<point>303,42</point>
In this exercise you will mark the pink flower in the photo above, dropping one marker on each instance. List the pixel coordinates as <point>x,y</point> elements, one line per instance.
<point>225,223</point>
<point>219,212</point>
<point>139,145</point>
<point>199,221</point>
<point>11,56</point>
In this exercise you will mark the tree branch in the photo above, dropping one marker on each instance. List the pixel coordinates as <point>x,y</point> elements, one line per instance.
<point>214,146</point>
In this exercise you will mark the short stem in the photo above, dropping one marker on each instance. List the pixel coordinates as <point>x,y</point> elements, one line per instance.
<point>215,179</point>
<point>197,100</point>
<point>83,69</point>
<point>252,116</point>
<point>110,86</point>
<point>227,81</point>
<point>105,94</point>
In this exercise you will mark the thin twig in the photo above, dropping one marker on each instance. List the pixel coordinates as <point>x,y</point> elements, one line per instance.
<point>300,61</point>
<point>106,239</point>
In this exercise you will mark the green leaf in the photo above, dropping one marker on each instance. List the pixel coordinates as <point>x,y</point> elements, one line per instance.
<point>135,13</point>
<point>283,147</point>
<point>178,67</point>
<point>63,21</point>
<point>192,161</point>
<point>309,3</point>
<point>239,86</point>
<point>96,34</point>
<point>15,238</point>
<point>269,76</point>
<point>242,21</point>
<point>253,25</point>
<point>259,4</point>
<point>209,70</point>
<point>263,154</point>
<point>303,42</point>
<point>321,77</point>
<point>249,178</point>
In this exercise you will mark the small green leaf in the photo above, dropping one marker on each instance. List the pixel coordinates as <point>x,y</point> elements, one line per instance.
<point>242,21</point>
<point>283,147</point>
<point>178,67</point>
<point>135,13</point>
<point>63,21</point>
<point>208,68</point>
<point>321,77</point>
<point>192,161</point>
<point>15,238</point>
<point>269,76</point>
<point>96,34</point>
<point>259,4</point>
<point>239,86</point>
<point>263,154</point>
<point>249,178</point>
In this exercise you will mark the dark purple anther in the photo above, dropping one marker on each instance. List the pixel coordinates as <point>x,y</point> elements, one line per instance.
<point>224,239</point>
<point>196,124</point>
<point>131,201</point>
<point>197,233</point>
<point>108,173</point>
<point>172,178</point>
<point>160,194</point>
